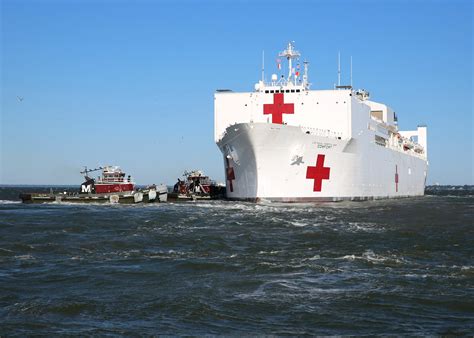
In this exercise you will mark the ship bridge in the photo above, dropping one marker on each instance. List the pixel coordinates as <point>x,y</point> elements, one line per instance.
<point>294,82</point>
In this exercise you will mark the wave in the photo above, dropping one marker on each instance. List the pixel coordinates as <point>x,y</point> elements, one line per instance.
<point>9,202</point>
<point>372,257</point>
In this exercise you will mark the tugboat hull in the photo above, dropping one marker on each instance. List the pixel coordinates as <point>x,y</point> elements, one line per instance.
<point>148,196</point>
<point>92,198</point>
<point>112,188</point>
<point>157,195</point>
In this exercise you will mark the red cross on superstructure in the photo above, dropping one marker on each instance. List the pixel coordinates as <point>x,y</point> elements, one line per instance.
<point>278,108</point>
<point>230,175</point>
<point>318,173</point>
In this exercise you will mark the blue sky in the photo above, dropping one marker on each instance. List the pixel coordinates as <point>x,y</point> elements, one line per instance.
<point>131,83</point>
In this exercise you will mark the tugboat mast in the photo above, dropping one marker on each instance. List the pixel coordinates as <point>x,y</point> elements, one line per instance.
<point>86,171</point>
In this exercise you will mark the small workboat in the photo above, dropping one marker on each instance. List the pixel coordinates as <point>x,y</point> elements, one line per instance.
<point>196,186</point>
<point>111,187</point>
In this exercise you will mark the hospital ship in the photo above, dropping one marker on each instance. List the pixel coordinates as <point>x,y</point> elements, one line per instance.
<point>286,142</point>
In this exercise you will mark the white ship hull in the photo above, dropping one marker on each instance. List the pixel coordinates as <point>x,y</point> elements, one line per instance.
<point>266,161</point>
<point>285,142</point>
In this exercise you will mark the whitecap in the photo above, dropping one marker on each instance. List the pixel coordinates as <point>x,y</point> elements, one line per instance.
<point>273,252</point>
<point>9,202</point>
<point>314,258</point>
<point>348,257</point>
<point>298,224</point>
<point>364,227</point>
<point>25,257</point>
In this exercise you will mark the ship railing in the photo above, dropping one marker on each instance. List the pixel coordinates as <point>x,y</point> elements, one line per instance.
<point>284,82</point>
<point>115,180</point>
<point>307,130</point>
<point>322,132</point>
<point>406,146</point>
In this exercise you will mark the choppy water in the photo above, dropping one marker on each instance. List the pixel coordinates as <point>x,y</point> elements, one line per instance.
<point>378,267</point>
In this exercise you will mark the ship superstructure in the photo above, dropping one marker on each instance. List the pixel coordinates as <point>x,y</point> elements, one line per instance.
<point>286,142</point>
<point>112,180</point>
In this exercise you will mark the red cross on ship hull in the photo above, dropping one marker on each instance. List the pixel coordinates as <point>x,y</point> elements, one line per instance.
<point>318,173</point>
<point>230,175</point>
<point>278,108</point>
<point>396,178</point>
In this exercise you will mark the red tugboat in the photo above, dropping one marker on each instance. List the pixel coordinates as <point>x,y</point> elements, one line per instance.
<point>196,186</point>
<point>112,181</point>
<point>112,187</point>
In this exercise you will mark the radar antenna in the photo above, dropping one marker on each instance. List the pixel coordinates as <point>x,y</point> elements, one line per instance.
<point>351,70</point>
<point>290,53</point>
<point>86,171</point>
<point>339,68</point>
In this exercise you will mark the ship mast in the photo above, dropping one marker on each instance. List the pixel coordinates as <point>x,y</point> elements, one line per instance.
<point>305,76</point>
<point>290,53</point>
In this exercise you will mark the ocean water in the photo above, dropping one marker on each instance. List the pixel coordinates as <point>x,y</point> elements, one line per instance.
<point>353,268</point>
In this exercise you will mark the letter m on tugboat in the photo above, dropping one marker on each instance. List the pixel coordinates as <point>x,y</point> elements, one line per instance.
<point>88,187</point>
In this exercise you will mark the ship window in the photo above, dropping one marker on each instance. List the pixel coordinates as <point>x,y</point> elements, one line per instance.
<point>292,90</point>
<point>297,90</point>
<point>287,90</point>
<point>380,141</point>
<point>377,114</point>
<point>272,91</point>
<point>266,91</point>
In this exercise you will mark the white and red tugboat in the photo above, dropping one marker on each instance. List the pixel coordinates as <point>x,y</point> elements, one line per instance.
<point>112,186</point>
<point>285,142</point>
<point>196,186</point>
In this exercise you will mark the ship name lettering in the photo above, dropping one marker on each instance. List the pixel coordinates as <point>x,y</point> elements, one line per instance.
<point>325,145</point>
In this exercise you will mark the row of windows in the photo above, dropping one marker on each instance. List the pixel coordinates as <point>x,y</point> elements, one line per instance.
<point>283,91</point>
